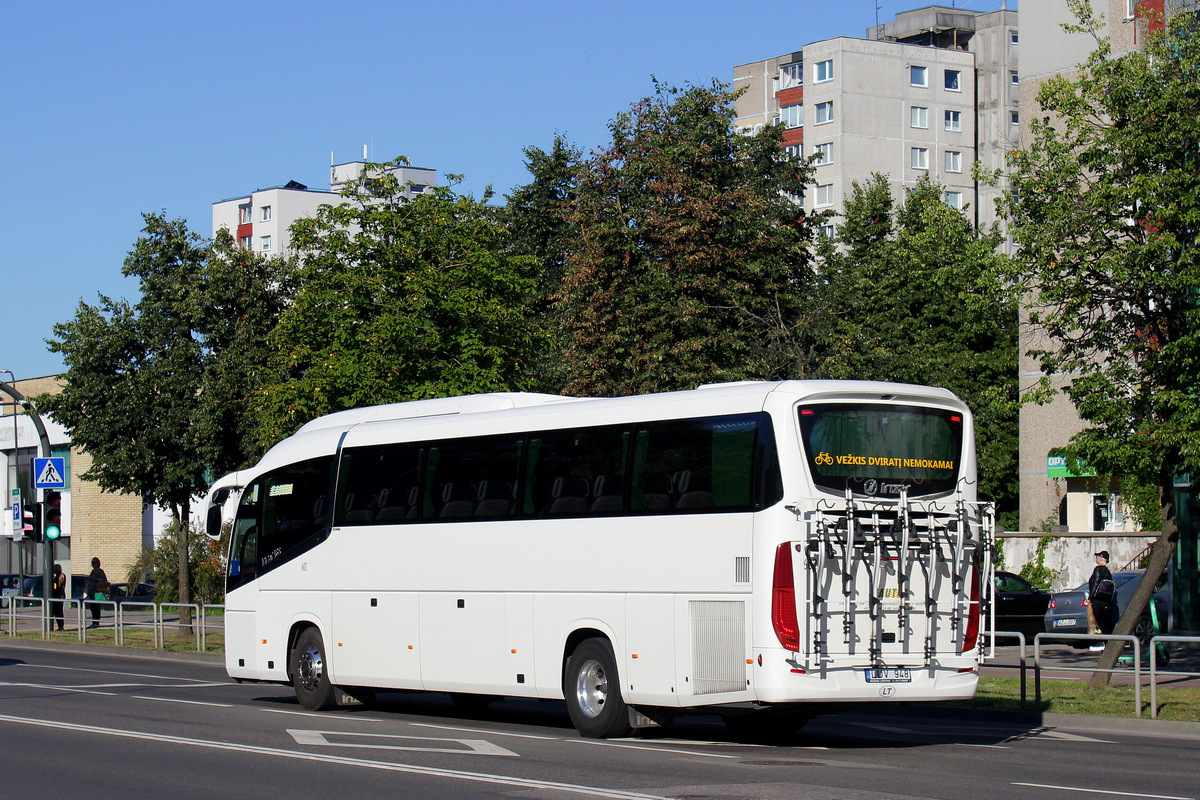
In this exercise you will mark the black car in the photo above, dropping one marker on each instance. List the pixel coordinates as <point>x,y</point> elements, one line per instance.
<point>135,593</point>
<point>1020,606</point>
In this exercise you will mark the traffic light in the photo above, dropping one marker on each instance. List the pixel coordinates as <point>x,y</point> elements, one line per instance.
<point>33,523</point>
<point>52,515</point>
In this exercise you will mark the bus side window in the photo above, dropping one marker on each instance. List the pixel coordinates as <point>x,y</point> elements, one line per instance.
<point>243,544</point>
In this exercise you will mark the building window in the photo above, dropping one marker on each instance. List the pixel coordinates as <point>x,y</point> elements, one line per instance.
<point>953,161</point>
<point>918,117</point>
<point>791,75</point>
<point>794,150</point>
<point>920,158</point>
<point>954,200</point>
<point>954,120</point>
<point>1012,34</point>
<point>825,194</point>
<point>827,231</point>
<point>792,116</point>
<point>953,80</point>
<point>918,76</point>
<point>266,213</point>
<point>824,112</point>
<point>824,154</point>
<point>1014,118</point>
<point>266,244</point>
<point>244,215</point>
<point>1013,77</point>
<point>824,71</point>
<point>246,242</point>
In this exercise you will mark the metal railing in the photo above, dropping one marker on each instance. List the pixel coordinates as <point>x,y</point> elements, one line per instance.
<point>990,637</point>
<point>26,615</point>
<point>1154,673</point>
<point>1089,637</point>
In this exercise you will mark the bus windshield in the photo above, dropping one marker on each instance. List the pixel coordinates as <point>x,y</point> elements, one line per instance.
<point>881,450</point>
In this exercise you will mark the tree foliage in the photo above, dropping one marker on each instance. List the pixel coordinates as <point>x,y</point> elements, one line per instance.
<point>690,262</point>
<point>156,391</point>
<point>399,299</point>
<point>537,218</point>
<point>912,295</point>
<point>1106,208</point>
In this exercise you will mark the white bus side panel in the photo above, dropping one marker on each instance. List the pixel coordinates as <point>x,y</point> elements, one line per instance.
<point>374,630</point>
<point>647,660</point>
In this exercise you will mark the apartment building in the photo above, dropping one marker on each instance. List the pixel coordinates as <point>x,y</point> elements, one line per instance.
<point>926,94</point>
<point>261,220</point>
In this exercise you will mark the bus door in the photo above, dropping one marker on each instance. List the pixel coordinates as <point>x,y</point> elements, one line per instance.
<point>241,586</point>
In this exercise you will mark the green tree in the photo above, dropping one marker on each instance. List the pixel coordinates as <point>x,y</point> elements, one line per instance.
<point>1105,205</point>
<point>690,261</point>
<point>148,391</point>
<point>912,295</point>
<point>399,299</point>
<point>536,216</point>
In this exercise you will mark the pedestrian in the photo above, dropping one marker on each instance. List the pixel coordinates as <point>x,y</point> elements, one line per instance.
<point>1101,596</point>
<point>96,589</point>
<point>58,593</point>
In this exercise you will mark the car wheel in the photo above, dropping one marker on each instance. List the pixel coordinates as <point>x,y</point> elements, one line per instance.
<point>593,690</point>
<point>1144,631</point>
<point>310,673</point>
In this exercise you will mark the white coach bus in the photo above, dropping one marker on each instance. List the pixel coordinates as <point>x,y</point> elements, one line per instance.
<point>764,551</point>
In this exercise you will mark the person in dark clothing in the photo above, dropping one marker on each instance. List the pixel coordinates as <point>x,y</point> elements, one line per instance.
<point>58,593</point>
<point>1103,602</point>
<point>96,589</point>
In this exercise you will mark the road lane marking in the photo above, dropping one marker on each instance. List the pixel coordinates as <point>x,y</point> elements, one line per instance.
<point>1102,791</point>
<point>411,769</point>
<point>187,702</point>
<point>480,730</point>
<point>52,687</point>
<point>480,747</point>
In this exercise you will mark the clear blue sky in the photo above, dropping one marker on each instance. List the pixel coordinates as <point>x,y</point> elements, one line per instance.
<point>114,109</point>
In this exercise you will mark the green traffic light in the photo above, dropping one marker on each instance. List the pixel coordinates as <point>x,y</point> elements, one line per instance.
<point>52,516</point>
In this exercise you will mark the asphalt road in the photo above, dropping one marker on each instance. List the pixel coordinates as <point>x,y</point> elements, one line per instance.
<point>121,724</point>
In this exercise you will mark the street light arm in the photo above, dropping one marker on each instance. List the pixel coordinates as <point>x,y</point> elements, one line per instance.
<point>25,403</point>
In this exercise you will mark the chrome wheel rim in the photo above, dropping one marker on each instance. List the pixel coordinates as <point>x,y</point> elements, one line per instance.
<point>591,688</point>
<point>310,668</point>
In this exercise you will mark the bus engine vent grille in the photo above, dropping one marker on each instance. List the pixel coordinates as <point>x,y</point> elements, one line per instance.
<point>741,569</point>
<point>718,646</point>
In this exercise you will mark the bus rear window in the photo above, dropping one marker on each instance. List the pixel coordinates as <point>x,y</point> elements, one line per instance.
<point>881,450</point>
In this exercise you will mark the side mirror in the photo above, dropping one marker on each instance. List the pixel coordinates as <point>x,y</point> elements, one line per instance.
<point>213,523</point>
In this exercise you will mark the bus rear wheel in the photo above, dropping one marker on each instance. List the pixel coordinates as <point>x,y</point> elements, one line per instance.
<point>310,673</point>
<point>592,687</point>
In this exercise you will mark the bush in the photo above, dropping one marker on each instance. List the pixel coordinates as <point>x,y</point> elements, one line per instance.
<point>161,564</point>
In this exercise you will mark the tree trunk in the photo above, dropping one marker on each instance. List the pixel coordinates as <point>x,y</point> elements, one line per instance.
<point>1160,555</point>
<point>182,529</point>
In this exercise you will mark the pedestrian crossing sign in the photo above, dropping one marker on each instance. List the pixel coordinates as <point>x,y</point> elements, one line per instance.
<point>49,473</point>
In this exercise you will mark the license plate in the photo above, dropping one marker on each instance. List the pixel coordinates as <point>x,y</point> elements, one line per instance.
<point>1064,623</point>
<point>889,675</point>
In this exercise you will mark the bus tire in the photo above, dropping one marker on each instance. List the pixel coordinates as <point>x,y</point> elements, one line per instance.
<point>592,687</point>
<point>310,672</point>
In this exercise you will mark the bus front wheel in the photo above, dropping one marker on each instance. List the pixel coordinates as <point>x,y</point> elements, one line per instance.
<point>592,687</point>
<point>310,673</point>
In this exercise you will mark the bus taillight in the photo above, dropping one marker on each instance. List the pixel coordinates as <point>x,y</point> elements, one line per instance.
<point>971,638</point>
<point>783,600</point>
